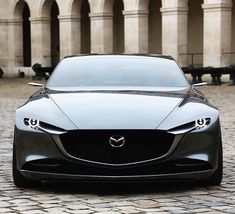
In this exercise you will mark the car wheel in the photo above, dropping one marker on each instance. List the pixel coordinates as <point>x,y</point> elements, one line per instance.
<point>18,179</point>
<point>216,178</point>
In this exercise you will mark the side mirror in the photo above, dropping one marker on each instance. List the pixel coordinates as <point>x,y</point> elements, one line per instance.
<point>199,84</point>
<point>36,84</point>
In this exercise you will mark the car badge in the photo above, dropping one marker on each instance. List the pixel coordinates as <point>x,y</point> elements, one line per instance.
<point>117,141</point>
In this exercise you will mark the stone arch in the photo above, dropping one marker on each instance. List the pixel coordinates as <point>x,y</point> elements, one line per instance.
<point>78,13</point>
<point>85,27</point>
<point>155,26</point>
<point>107,6</point>
<point>75,7</point>
<point>55,34</point>
<point>232,57</point>
<point>22,33</point>
<point>17,7</point>
<point>48,13</point>
<point>195,32</point>
<point>45,8</point>
<point>118,26</point>
<point>143,4</point>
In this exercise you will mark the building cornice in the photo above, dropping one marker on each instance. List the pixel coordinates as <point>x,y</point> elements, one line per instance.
<point>101,16</point>
<point>174,10</point>
<point>69,18</point>
<point>135,13</point>
<point>39,19</point>
<point>217,7</point>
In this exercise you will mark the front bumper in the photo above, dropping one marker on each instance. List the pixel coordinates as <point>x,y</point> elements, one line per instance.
<point>189,176</point>
<point>194,158</point>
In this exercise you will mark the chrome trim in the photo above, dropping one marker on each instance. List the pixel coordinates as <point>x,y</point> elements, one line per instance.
<point>117,141</point>
<point>51,131</point>
<point>182,131</point>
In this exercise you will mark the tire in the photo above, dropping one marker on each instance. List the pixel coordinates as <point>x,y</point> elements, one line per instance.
<point>18,179</point>
<point>216,178</point>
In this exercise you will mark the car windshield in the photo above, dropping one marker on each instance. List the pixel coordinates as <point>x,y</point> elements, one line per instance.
<point>116,71</point>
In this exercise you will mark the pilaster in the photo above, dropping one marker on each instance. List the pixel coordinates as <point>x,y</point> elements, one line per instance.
<point>175,32</point>
<point>4,60</point>
<point>15,41</point>
<point>217,34</point>
<point>101,32</point>
<point>136,31</point>
<point>70,35</point>
<point>41,40</point>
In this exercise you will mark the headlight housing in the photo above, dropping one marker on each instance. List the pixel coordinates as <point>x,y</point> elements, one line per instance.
<point>45,127</point>
<point>194,125</point>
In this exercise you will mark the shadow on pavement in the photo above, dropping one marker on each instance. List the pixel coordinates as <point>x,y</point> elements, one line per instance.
<point>103,189</point>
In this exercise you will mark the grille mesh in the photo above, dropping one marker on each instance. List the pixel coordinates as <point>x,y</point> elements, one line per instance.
<point>140,145</point>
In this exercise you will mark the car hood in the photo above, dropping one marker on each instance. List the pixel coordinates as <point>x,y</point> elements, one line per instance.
<point>117,110</point>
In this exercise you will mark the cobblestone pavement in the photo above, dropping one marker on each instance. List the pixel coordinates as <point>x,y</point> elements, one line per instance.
<point>87,198</point>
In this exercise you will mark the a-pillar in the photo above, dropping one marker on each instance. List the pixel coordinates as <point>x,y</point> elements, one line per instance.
<point>136,31</point>
<point>217,33</point>
<point>41,40</point>
<point>175,32</point>
<point>70,35</point>
<point>101,32</point>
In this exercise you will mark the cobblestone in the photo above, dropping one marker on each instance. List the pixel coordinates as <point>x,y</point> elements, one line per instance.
<point>69,198</point>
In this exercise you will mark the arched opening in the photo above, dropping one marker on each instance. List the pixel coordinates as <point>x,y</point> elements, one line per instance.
<point>232,57</point>
<point>26,37</point>
<point>195,33</point>
<point>118,27</point>
<point>155,27</point>
<point>55,35</point>
<point>22,34</point>
<point>85,28</point>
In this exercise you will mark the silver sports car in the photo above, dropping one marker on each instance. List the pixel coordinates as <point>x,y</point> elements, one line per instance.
<point>117,118</point>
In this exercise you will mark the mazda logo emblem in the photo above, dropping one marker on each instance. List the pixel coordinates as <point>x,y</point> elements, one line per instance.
<point>117,141</point>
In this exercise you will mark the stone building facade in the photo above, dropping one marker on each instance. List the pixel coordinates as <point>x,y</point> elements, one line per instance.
<point>46,30</point>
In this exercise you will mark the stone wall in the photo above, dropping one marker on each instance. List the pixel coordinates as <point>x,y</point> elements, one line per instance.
<point>171,27</point>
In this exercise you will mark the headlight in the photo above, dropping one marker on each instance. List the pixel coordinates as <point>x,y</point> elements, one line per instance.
<point>195,125</point>
<point>31,123</point>
<point>38,125</point>
<point>202,123</point>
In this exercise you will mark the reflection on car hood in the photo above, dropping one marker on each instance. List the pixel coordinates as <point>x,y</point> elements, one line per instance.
<point>117,109</point>
<point>118,89</point>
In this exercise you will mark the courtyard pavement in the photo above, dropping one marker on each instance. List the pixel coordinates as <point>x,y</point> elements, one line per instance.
<point>137,198</point>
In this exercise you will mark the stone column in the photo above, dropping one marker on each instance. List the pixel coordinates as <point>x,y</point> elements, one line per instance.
<point>15,41</point>
<point>41,40</point>
<point>70,35</point>
<point>4,43</point>
<point>175,32</point>
<point>136,31</point>
<point>101,32</point>
<point>217,33</point>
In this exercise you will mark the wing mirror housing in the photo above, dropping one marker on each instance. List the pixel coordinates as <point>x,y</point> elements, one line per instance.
<point>199,84</point>
<point>36,84</point>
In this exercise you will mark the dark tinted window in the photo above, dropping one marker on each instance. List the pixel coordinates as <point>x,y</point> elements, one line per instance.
<point>117,71</point>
